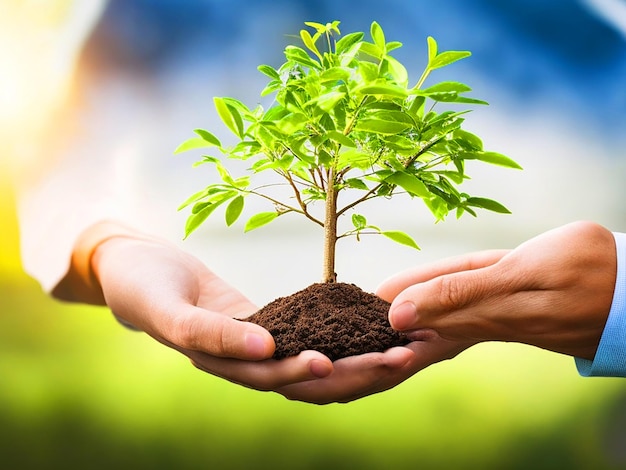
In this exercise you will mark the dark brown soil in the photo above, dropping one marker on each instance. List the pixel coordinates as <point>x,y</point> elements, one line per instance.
<point>337,319</point>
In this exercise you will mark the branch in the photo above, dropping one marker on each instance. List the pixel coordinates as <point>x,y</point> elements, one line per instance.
<point>301,203</point>
<point>286,207</point>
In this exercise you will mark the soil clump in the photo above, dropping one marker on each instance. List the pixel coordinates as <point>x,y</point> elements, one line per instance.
<point>336,319</point>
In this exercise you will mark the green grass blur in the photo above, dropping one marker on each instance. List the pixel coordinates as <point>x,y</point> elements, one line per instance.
<point>79,391</point>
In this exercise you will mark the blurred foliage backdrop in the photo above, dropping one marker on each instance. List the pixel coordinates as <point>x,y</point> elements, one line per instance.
<point>79,391</point>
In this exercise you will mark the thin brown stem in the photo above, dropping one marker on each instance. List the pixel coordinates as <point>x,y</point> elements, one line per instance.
<point>330,229</point>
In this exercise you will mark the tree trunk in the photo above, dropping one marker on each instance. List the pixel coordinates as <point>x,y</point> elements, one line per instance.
<point>330,230</point>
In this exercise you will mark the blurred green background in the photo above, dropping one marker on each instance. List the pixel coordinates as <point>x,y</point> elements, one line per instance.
<point>79,391</point>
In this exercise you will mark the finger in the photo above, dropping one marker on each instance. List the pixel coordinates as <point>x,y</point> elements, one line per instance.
<point>359,376</point>
<point>265,375</point>
<point>352,378</point>
<point>395,284</point>
<point>197,329</point>
<point>444,302</point>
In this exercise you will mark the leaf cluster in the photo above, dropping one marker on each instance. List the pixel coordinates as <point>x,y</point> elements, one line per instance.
<point>346,118</point>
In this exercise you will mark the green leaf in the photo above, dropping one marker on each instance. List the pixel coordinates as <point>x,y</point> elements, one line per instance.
<point>467,100</point>
<point>432,48</point>
<point>299,55</point>
<point>356,183</point>
<point>334,74</point>
<point>379,126</point>
<point>369,71</point>
<point>327,101</point>
<point>354,158</point>
<point>392,115</point>
<point>488,204</point>
<point>193,143</point>
<point>437,206</point>
<point>196,218</point>
<point>269,71</point>
<point>292,123</point>
<point>347,42</point>
<point>194,197</point>
<point>319,27</point>
<point>309,42</point>
<point>340,138</point>
<point>230,116</point>
<point>260,219</point>
<point>378,36</point>
<point>491,157</point>
<point>246,148</point>
<point>271,87</point>
<point>239,106</point>
<point>382,89</point>
<point>447,58</point>
<point>417,106</point>
<point>393,45</point>
<point>371,50</point>
<point>234,209</point>
<point>400,144</point>
<point>224,174</point>
<point>455,176</point>
<point>208,137</point>
<point>468,140</point>
<point>401,237</point>
<point>409,183</point>
<point>397,70</point>
<point>324,158</point>
<point>446,87</point>
<point>359,221</point>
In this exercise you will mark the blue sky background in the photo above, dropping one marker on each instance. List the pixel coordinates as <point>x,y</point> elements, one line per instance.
<point>561,53</point>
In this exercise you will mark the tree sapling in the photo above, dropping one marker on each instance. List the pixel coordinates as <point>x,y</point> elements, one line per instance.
<point>346,120</point>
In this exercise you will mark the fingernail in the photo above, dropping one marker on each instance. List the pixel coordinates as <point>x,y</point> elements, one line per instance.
<point>403,316</point>
<point>320,369</point>
<point>255,345</point>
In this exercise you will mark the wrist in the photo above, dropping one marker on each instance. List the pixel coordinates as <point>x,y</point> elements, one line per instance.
<point>81,283</point>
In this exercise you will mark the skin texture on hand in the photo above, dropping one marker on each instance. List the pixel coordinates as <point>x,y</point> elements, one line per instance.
<point>553,291</point>
<point>359,376</point>
<point>174,298</point>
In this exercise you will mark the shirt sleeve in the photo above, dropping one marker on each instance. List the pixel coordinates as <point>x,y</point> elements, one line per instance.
<point>610,358</point>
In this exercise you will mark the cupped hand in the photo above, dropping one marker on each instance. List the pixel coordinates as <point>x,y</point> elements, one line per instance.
<point>553,291</point>
<point>173,297</point>
<point>355,377</point>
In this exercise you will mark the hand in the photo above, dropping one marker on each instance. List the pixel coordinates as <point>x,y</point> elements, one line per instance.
<point>553,291</point>
<point>358,376</point>
<point>174,298</point>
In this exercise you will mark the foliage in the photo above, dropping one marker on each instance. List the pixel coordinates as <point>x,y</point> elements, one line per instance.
<point>346,119</point>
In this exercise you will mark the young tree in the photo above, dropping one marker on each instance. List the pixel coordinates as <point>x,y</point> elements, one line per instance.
<point>346,119</point>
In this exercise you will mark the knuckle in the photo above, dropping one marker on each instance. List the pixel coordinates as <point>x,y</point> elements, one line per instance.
<point>184,331</point>
<point>451,294</point>
<point>587,229</point>
<point>460,292</point>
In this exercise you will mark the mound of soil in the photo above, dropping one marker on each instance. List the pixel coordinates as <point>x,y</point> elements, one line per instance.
<point>337,319</point>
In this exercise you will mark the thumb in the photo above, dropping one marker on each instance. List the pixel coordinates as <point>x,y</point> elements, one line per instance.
<point>198,329</point>
<point>453,304</point>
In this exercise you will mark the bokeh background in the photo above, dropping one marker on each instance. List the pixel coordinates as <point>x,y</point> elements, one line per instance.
<point>128,80</point>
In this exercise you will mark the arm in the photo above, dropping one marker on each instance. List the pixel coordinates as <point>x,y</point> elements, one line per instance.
<point>554,291</point>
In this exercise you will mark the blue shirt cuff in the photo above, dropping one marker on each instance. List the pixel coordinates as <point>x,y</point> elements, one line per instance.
<point>610,358</point>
